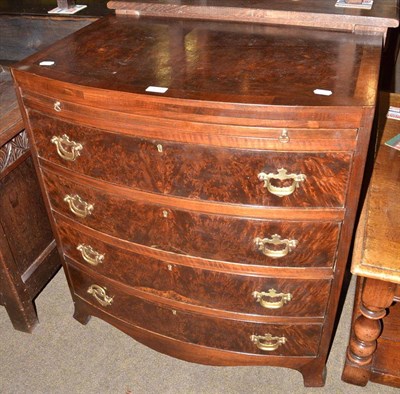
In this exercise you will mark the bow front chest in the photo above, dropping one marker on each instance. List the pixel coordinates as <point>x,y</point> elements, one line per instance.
<point>202,180</point>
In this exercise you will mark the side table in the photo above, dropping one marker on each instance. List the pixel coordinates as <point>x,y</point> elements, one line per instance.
<point>28,254</point>
<point>372,354</point>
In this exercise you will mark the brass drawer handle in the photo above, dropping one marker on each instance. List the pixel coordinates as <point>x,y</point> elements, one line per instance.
<point>282,175</point>
<point>262,298</point>
<point>66,149</point>
<point>90,255</point>
<point>78,207</point>
<point>267,343</point>
<point>99,293</point>
<point>289,245</point>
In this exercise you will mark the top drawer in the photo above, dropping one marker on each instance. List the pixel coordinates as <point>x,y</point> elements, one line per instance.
<point>241,176</point>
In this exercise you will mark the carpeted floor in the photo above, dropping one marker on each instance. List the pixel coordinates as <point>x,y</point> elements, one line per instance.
<point>63,356</point>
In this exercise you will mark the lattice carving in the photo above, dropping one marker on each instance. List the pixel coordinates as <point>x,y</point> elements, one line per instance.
<point>13,150</point>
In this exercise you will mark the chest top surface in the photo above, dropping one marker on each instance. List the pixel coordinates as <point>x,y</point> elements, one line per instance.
<point>214,61</point>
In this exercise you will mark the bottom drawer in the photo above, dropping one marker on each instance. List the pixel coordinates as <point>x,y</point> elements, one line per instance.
<point>285,339</point>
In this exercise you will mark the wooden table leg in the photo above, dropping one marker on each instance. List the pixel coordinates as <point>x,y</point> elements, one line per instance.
<point>376,297</point>
<point>13,293</point>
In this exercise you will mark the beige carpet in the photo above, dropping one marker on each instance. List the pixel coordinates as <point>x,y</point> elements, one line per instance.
<point>62,356</point>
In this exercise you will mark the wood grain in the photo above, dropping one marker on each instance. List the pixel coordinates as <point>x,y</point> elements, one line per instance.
<point>190,73</point>
<point>377,241</point>
<point>211,332</point>
<point>315,13</point>
<point>23,209</point>
<point>28,258</point>
<point>197,172</point>
<point>371,355</point>
<point>183,232</point>
<point>73,117</point>
<point>197,286</point>
<point>192,213</point>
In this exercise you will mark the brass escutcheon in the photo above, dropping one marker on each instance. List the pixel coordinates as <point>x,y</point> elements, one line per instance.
<point>262,245</point>
<point>78,207</point>
<point>284,137</point>
<point>66,149</point>
<point>99,293</point>
<point>281,175</point>
<point>57,106</point>
<point>263,299</point>
<point>90,255</point>
<point>267,342</point>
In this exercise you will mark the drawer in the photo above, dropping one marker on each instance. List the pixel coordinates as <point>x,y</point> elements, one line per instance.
<point>206,288</point>
<point>288,339</point>
<point>210,236</point>
<point>240,176</point>
<point>119,159</point>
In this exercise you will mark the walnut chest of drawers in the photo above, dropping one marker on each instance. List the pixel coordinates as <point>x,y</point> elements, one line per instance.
<point>202,179</point>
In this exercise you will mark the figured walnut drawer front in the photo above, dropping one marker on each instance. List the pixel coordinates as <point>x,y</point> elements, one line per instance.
<point>217,237</point>
<point>287,339</point>
<point>242,176</point>
<point>201,287</point>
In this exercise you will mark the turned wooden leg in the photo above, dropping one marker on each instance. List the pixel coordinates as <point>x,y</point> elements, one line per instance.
<point>314,374</point>
<point>376,296</point>
<point>80,314</point>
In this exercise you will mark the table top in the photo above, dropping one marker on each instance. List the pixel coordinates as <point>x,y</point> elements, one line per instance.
<point>377,246</point>
<point>314,13</point>
<point>217,61</point>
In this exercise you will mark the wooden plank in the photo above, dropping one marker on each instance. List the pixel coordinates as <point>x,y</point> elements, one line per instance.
<point>315,13</point>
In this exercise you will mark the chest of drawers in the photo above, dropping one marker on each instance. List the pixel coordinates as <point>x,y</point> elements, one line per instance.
<point>210,220</point>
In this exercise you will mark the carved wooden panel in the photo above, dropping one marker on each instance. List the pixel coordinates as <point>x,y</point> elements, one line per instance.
<point>13,150</point>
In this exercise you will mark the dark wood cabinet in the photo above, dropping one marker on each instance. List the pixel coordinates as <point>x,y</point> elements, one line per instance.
<point>28,255</point>
<point>203,180</point>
